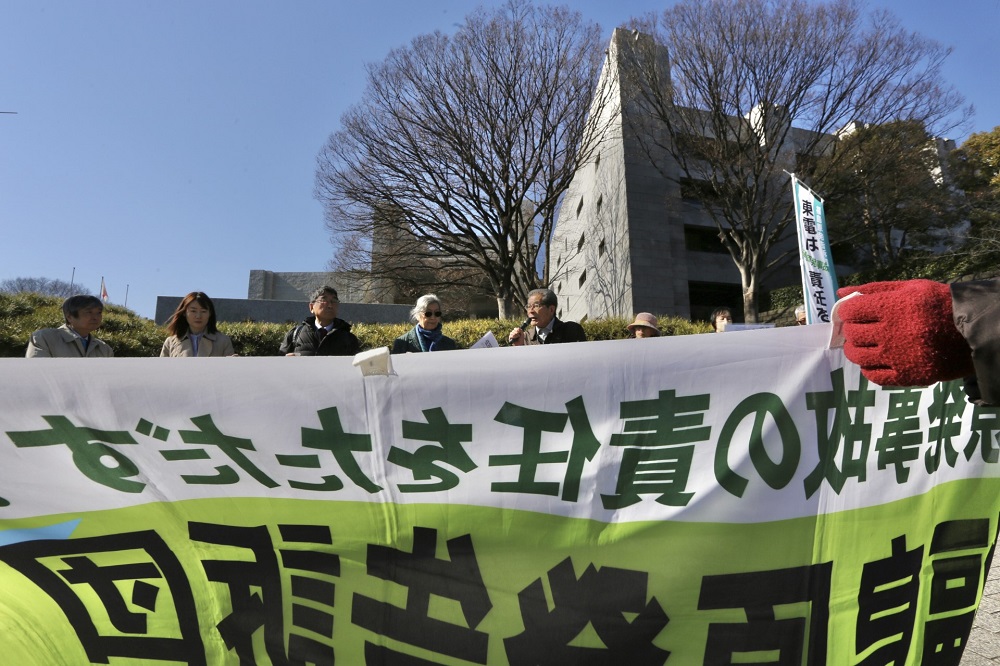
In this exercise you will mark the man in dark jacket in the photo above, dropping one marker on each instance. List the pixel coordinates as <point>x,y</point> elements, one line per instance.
<point>547,329</point>
<point>322,334</point>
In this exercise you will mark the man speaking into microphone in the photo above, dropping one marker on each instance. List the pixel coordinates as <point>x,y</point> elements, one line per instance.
<point>542,327</point>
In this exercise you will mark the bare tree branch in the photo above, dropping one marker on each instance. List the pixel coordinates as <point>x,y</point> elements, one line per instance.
<point>716,105</point>
<point>42,285</point>
<point>470,142</point>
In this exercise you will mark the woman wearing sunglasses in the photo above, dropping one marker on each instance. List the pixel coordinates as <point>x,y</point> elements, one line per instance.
<point>426,336</point>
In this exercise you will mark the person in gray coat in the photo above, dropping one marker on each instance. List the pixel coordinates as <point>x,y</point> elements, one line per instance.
<point>84,315</point>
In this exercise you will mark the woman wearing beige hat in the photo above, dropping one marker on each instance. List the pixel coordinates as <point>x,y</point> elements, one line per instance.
<point>644,326</point>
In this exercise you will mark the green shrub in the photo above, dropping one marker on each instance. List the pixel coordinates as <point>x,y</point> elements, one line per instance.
<point>782,298</point>
<point>255,338</point>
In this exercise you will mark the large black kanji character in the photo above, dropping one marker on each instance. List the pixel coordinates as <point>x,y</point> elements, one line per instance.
<point>600,598</point>
<point>758,592</point>
<point>255,590</point>
<point>423,574</point>
<point>307,563</point>
<point>152,568</point>
<point>955,585</point>
<point>887,605</point>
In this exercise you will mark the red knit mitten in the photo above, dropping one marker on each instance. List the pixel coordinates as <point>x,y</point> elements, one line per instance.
<point>902,333</point>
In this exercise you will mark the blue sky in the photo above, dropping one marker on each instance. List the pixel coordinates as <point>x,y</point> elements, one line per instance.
<point>170,146</point>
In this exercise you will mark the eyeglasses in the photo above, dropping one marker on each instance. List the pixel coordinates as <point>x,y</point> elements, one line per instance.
<point>532,307</point>
<point>327,301</point>
<point>428,313</point>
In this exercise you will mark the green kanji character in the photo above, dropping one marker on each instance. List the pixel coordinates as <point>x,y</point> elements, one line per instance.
<point>657,458</point>
<point>901,435</point>
<point>583,448</point>
<point>233,447</point>
<point>946,413</point>
<point>331,437</point>
<point>775,474</point>
<point>90,449</point>
<point>848,425</point>
<point>423,461</point>
<point>985,426</point>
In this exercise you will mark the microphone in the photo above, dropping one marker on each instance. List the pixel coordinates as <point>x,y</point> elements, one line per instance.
<point>523,326</point>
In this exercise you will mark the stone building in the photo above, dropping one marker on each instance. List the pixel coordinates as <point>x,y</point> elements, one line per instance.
<point>632,236</point>
<point>284,297</point>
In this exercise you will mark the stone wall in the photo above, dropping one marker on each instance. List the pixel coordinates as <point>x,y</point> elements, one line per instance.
<point>239,309</point>
<point>297,286</point>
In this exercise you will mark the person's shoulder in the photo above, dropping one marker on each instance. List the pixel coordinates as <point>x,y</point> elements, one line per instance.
<point>168,345</point>
<point>102,348</point>
<point>46,332</point>
<point>573,331</point>
<point>62,333</point>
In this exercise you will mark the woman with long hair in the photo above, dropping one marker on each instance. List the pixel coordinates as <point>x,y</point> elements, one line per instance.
<point>193,331</point>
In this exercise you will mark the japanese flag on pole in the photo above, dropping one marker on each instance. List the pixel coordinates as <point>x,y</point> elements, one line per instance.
<point>104,291</point>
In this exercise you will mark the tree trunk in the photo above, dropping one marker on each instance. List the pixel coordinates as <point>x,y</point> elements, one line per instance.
<point>749,280</point>
<point>507,308</point>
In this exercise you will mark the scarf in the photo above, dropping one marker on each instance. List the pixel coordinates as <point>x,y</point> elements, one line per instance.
<point>429,339</point>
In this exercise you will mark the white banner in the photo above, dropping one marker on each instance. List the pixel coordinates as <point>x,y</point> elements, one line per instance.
<point>819,279</point>
<point>734,428</point>
<point>710,499</point>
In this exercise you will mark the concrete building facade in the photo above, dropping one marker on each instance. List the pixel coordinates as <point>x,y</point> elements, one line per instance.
<point>284,297</point>
<point>632,236</point>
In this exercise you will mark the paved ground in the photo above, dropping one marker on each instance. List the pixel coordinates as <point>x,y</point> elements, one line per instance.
<point>984,643</point>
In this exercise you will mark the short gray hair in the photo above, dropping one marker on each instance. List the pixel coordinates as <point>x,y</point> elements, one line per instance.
<point>71,306</point>
<point>548,296</point>
<point>800,310</point>
<point>422,304</point>
<point>323,291</point>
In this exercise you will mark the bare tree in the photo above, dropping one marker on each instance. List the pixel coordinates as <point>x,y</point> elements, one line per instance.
<point>461,148</point>
<point>890,194</point>
<point>42,285</point>
<point>719,111</point>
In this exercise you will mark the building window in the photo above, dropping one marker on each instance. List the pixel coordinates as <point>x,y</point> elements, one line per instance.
<point>600,203</point>
<point>583,278</point>
<point>579,208</point>
<point>579,246</point>
<point>698,190</point>
<point>597,162</point>
<point>703,239</point>
<point>704,297</point>
<point>600,248</point>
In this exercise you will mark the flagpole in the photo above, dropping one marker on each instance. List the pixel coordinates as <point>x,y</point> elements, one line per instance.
<point>125,304</point>
<point>72,280</point>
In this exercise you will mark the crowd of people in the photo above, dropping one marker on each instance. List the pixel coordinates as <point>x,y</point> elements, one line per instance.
<point>194,332</point>
<point>953,337</point>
